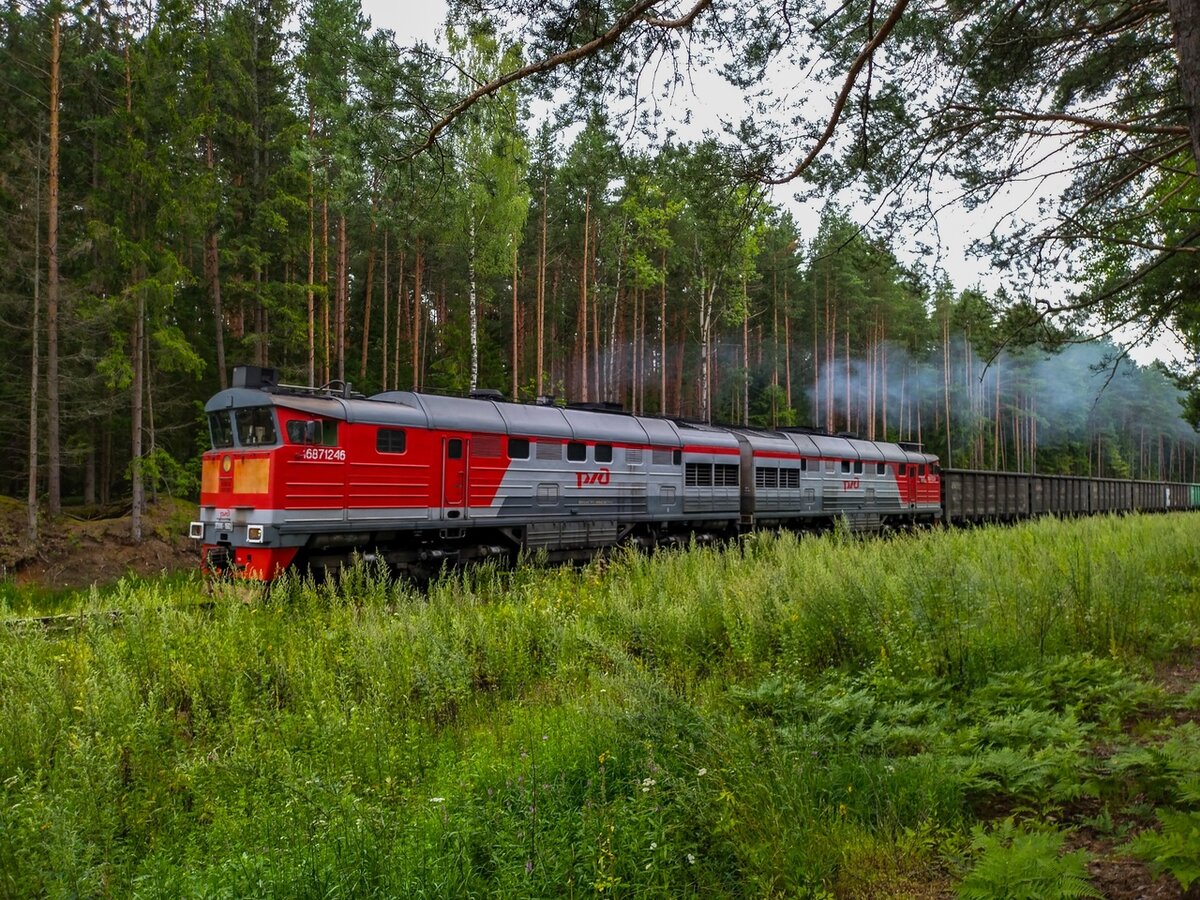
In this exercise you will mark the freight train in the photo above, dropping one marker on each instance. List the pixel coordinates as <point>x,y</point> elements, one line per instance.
<point>306,478</point>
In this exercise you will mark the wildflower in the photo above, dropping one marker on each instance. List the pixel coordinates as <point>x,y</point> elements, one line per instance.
<point>647,783</point>
<point>528,866</point>
<point>654,845</point>
<point>702,772</point>
<point>437,799</point>
<point>691,858</point>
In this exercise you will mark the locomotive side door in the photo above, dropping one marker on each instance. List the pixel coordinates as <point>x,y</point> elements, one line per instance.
<point>456,453</point>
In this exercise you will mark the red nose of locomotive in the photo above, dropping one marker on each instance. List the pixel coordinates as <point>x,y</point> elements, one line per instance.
<point>236,529</point>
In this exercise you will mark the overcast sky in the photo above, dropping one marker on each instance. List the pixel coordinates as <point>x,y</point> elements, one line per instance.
<point>423,19</point>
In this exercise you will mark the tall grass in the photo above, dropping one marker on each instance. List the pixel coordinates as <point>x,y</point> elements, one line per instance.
<point>788,715</point>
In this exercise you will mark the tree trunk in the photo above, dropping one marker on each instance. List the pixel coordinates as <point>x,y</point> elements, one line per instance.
<point>662,337</point>
<point>383,379</point>
<point>556,305</point>
<point>541,302</point>
<point>35,348</point>
<point>89,474</point>
<point>473,300</point>
<point>312,262</point>
<point>401,303</point>
<point>326,357</point>
<point>774,346</point>
<point>135,463</point>
<point>708,297</point>
<point>745,354</point>
<point>583,299</point>
<point>597,386</point>
<point>148,379</point>
<point>516,324</point>
<point>849,416</point>
<point>343,285</point>
<point>611,389</point>
<point>366,334</point>
<point>418,315</point>
<point>815,415</point>
<point>260,319</point>
<point>629,355</point>
<point>1185,22</point>
<point>53,438</point>
<point>946,385</point>
<point>212,275</point>
<point>681,330</point>
<point>883,369</point>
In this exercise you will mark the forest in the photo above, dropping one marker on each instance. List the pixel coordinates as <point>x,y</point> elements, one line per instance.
<point>187,185</point>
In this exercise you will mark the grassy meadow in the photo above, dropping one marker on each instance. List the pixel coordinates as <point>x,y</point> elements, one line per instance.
<point>930,715</point>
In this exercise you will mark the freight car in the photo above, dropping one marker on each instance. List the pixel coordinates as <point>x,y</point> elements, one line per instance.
<point>973,497</point>
<point>304,477</point>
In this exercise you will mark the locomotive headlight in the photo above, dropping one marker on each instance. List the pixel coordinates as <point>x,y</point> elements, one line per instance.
<point>254,534</point>
<point>196,531</point>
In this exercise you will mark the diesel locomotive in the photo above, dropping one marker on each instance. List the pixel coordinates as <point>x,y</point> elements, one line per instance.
<point>304,477</point>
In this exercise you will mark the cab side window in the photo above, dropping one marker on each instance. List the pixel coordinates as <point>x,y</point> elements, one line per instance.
<point>390,440</point>
<point>295,432</point>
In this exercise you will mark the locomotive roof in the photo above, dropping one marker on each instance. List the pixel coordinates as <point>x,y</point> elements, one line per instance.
<point>409,408</point>
<point>811,442</point>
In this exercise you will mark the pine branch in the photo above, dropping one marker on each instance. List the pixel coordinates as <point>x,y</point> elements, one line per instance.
<point>635,14</point>
<point>864,56</point>
<point>1094,124</point>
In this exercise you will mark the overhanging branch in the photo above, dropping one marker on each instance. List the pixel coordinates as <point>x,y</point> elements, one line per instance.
<point>864,56</point>
<point>1016,115</point>
<point>631,17</point>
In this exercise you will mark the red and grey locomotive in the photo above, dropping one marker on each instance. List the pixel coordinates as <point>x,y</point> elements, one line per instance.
<point>308,477</point>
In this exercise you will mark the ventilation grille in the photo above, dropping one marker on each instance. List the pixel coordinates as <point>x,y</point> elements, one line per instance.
<point>487,446</point>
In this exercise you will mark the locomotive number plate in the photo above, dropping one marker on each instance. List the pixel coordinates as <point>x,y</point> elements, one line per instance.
<point>328,454</point>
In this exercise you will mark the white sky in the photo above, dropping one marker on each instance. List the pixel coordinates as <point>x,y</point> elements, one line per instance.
<point>424,19</point>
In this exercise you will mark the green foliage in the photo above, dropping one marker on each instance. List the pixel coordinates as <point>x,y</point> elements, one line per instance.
<point>1165,769</point>
<point>668,726</point>
<point>1017,864</point>
<point>163,472</point>
<point>1174,848</point>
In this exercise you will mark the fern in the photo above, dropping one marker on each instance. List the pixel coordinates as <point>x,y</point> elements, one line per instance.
<point>1015,864</point>
<point>1175,849</point>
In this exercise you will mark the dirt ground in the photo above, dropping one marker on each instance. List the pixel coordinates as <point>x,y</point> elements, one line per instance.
<point>94,546</point>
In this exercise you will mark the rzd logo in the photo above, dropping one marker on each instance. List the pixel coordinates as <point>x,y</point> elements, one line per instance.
<point>601,477</point>
<point>851,484</point>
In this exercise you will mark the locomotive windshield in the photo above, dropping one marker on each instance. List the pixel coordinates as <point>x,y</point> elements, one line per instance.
<point>220,430</point>
<point>255,426</point>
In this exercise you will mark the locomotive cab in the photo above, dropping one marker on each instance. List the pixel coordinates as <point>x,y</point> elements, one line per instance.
<point>254,430</point>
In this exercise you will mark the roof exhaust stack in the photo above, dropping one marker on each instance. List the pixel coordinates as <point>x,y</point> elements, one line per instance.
<point>254,378</point>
